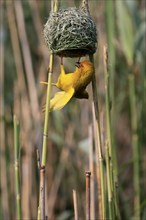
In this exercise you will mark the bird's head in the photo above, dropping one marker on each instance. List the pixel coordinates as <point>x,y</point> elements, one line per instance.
<point>85,65</point>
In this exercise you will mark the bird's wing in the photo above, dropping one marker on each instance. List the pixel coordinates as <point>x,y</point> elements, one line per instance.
<point>61,99</point>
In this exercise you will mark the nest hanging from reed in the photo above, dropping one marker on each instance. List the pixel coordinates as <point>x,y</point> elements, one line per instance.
<point>70,32</point>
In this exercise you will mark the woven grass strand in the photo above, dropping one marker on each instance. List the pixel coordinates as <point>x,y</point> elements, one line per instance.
<point>70,32</point>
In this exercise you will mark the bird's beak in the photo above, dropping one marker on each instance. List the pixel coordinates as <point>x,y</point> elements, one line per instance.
<point>77,64</point>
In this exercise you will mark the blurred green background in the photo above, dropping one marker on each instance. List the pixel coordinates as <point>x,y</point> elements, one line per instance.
<point>24,58</point>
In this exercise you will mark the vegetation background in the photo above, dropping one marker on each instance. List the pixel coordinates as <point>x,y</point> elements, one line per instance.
<point>24,60</point>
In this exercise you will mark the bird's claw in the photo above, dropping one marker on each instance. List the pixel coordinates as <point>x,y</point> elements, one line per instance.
<point>45,83</point>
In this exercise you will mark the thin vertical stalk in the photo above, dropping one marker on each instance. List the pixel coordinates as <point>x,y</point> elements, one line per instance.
<point>92,169</point>
<point>112,189</point>
<point>42,193</point>
<point>46,122</point>
<point>108,116</point>
<point>110,27</point>
<point>41,208</point>
<point>26,112</point>
<point>88,174</point>
<point>17,174</point>
<point>100,170</point>
<point>75,202</point>
<point>27,62</point>
<point>142,133</point>
<point>96,121</point>
<point>135,144</point>
<point>98,134</point>
<point>85,6</point>
<point>109,188</point>
<point>107,98</point>
<point>3,163</point>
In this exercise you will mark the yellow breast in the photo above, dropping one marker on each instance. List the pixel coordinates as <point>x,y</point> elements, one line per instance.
<point>78,79</point>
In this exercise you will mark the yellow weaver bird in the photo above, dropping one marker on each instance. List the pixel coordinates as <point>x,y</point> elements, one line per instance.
<point>72,84</point>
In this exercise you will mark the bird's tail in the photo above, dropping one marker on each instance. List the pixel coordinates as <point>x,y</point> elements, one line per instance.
<point>60,100</point>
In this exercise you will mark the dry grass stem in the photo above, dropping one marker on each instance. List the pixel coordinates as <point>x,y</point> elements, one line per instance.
<point>17,168</point>
<point>92,168</point>
<point>88,175</point>
<point>3,165</point>
<point>75,202</point>
<point>27,61</point>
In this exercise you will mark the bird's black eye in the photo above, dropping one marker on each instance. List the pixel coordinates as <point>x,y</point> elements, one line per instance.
<point>77,64</point>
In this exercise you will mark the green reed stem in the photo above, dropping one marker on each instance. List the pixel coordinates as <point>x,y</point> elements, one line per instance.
<point>109,188</point>
<point>135,144</point>
<point>100,156</point>
<point>46,122</point>
<point>107,100</point>
<point>109,152</point>
<point>110,27</point>
<point>39,213</point>
<point>54,6</point>
<point>112,164</point>
<point>17,171</point>
<point>41,208</point>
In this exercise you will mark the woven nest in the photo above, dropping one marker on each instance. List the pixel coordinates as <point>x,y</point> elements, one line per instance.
<point>70,32</point>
